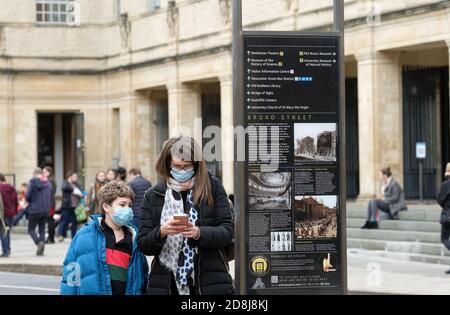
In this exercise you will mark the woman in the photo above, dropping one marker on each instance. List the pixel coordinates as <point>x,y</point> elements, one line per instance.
<point>111,175</point>
<point>70,200</point>
<point>392,201</point>
<point>188,259</point>
<point>23,204</point>
<point>444,201</point>
<point>91,198</point>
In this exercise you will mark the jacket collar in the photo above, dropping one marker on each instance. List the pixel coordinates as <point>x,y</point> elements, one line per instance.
<point>98,218</point>
<point>160,187</point>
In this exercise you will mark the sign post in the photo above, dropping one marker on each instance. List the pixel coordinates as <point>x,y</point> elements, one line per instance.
<point>421,154</point>
<point>290,192</point>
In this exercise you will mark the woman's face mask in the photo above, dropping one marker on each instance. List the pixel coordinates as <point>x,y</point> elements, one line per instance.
<point>182,175</point>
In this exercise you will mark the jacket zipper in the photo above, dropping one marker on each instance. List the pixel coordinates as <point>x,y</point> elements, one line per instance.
<point>198,276</point>
<point>158,193</point>
<point>199,255</point>
<point>167,270</point>
<point>227,267</point>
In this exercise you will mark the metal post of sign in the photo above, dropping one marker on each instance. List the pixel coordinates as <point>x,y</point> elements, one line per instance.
<point>421,180</point>
<point>338,26</point>
<point>239,166</point>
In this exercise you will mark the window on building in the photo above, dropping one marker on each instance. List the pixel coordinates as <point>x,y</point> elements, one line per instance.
<point>53,11</point>
<point>155,5</point>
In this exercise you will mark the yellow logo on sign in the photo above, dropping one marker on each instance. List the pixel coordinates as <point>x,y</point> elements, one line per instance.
<point>259,266</point>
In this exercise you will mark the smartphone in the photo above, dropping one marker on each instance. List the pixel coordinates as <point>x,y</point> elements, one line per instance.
<point>182,218</point>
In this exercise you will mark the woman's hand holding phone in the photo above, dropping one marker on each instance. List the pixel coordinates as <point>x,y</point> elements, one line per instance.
<point>171,227</point>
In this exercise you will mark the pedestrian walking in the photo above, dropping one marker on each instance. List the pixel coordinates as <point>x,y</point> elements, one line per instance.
<point>103,258</point>
<point>39,197</point>
<point>121,174</point>
<point>91,197</point>
<point>139,185</point>
<point>185,223</point>
<point>111,174</point>
<point>72,195</point>
<point>22,208</point>
<point>51,225</point>
<point>10,202</point>
<point>443,199</point>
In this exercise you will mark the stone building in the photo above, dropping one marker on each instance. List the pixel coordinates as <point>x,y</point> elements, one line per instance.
<point>306,146</point>
<point>110,89</point>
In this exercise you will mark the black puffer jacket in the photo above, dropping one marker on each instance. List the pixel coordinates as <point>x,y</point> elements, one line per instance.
<point>216,231</point>
<point>444,196</point>
<point>139,185</point>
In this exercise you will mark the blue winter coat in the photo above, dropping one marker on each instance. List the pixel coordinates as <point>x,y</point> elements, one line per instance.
<point>85,270</point>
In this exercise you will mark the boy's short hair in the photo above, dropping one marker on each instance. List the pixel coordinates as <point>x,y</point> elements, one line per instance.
<point>113,190</point>
<point>135,171</point>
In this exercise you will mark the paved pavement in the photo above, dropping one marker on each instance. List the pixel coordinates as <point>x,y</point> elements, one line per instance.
<point>370,273</point>
<point>23,256</point>
<point>28,284</point>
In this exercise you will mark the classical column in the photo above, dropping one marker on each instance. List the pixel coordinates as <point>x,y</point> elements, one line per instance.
<point>184,109</point>
<point>5,125</point>
<point>226,111</point>
<point>380,119</point>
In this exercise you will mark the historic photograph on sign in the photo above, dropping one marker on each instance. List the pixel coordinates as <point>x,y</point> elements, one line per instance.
<point>281,241</point>
<point>315,217</point>
<point>269,191</point>
<point>315,142</point>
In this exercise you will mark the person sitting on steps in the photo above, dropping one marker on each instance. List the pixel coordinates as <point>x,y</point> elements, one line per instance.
<point>392,201</point>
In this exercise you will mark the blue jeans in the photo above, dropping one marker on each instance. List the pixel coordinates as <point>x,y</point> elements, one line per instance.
<point>68,217</point>
<point>19,216</point>
<point>6,240</point>
<point>374,205</point>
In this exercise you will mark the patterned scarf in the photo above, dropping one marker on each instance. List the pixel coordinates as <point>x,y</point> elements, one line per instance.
<point>176,254</point>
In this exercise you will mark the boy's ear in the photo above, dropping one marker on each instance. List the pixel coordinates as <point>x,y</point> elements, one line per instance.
<point>105,207</point>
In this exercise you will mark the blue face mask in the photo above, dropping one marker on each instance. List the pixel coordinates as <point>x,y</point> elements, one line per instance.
<point>182,176</point>
<point>122,216</point>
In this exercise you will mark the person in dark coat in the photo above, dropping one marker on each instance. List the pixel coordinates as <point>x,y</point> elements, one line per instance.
<point>121,174</point>
<point>10,203</point>
<point>71,198</point>
<point>51,225</point>
<point>139,185</point>
<point>392,201</point>
<point>443,199</point>
<point>39,197</point>
<point>188,258</point>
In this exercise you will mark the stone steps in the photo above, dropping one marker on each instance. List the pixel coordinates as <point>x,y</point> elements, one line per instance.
<point>423,258</point>
<point>395,236</point>
<point>415,236</point>
<point>398,247</point>
<point>427,216</point>
<point>419,226</point>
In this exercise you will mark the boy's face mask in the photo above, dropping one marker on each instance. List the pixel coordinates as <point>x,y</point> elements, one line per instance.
<point>122,216</point>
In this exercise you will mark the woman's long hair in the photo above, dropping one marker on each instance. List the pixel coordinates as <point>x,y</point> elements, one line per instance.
<point>98,184</point>
<point>186,149</point>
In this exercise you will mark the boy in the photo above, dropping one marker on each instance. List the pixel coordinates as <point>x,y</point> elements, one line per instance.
<point>103,258</point>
